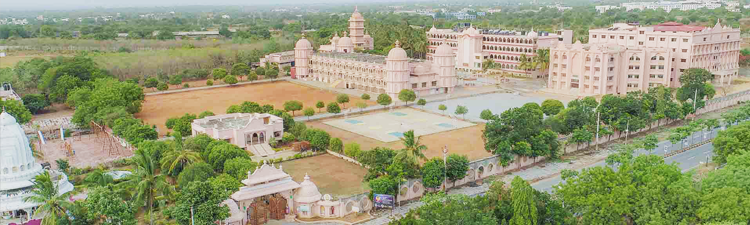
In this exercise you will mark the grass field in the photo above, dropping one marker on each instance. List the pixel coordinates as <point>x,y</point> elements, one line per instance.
<point>464,141</point>
<point>158,108</point>
<point>14,57</point>
<point>332,175</point>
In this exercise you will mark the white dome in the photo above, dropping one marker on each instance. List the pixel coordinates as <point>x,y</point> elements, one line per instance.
<point>397,53</point>
<point>433,29</point>
<point>444,50</point>
<point>307,192</point>
<point>16,160</point>
<point>303,43</point>
<point>532,34</point>
<point>345,42</point>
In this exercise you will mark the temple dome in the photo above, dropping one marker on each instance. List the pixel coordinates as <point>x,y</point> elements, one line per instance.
<point>345,42</point>
<point>433,29</point>
<point>16,158</point>
<point>471,31</point>
<point>397,53</point>
<point>444,50</point>
<point>303,43</point>
<point>356,15</point>
<point>532,34</point>
<point>335,38</point>
<point>307,192</point>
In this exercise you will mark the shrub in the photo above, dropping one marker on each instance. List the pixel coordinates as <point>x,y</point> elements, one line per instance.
<point>185,85</point>
<point>151,82</point>
<point>333,108</point>
<point>175,79</point>
<point>336,145</point>
<point>272,142</point>
<point>319,139</point>
<point>352,150</point>
<point>230,80</point>
<point>288,137</point>
<point>209,83</point>
<point>365,96</point>
<point>219,73</point>
<point>162,86</point>
<point>206,113</point>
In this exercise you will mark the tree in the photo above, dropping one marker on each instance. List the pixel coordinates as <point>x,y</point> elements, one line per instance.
<point>524,206</point>
<point>450,209</point>
<point>384,100</point>
<point>442,107</point>
<point>151,82</point>
<point>308,112</point>
<point>175,79</point>
<point>320,105</point>
<point>353,150</point>
<point>195,172</point>
<point>319,139</point>
<point>336,145</point>
<point>204,200</point>
<point>146,182</point>
<point>650,142</point>
<point>239,167</point>
<point>433,172</point>
<point>412,147</point>
<point>17,110</point>
<point>525,63</point>
<point>272,73</point>
<point>333,108</point>
<point>205,114</point>
<point>98,178</point>
<point>260,71</point>
<point>551,107</point>
<point>219,73</point>
<point>292,105</point>
<point>361,106</point>
<point>342,99</point>
<point>541,61</point>
<point>694,80</point>
<point>45,193</point>
<point>240,69</point>
<point>384,185</point>
<point>179,157</point>
<point>225,182</point>
<point>104,206</point>
<point>253,76</point>
<point>581,135</point>
<point>35,102</point>
<point>486,115</point>
<point>181,125</point>
<point>456,168</point>
<point>107,94</point>
<point>488,64</point>
<point>407,96</point>
<point>731,141</point>
<point>513,126</point>
<point>222,152</point>
<point>162,86</point>
<point>229,79</point>
<point>365,96</point>
<point>461,110</point>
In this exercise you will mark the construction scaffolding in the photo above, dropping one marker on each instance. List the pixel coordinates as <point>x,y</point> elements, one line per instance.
<point>110,143</point>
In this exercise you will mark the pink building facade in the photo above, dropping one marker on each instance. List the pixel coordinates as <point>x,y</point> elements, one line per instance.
<point>627,58</point>
<point>472,46</point>
<point>241,129</point>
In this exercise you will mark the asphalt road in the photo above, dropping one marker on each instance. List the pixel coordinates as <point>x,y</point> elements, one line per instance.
<point>686,160</point>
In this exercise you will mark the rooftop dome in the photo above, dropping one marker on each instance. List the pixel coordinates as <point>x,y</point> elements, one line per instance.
<point>345,42</point>
<point>532,34</point>
<point>303,43</point>
<point>397,53</point>
<point>444,50</point>
<point>471,31</point>
<point>307,192</point>
<point>433,29</point>
<point>335,38</point>
<point>367,34</point>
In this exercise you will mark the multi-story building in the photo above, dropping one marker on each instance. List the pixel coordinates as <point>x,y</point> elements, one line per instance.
<point>669,6</point>
<point>627,58</point>
<point>472,46</point>
<point>341,67</point>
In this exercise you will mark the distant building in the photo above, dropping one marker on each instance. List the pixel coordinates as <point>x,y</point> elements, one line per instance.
<point>280,58</point>
<point>605,8</point>
<point>625,58</point>
<point>7,93</point>
<point>669,6</point>
<point>493,11</point>
<point>251,131</point>
<point>193,34</point>
<point>225,17</point>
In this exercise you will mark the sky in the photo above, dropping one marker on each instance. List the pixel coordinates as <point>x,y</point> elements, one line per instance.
<point>16,5</point>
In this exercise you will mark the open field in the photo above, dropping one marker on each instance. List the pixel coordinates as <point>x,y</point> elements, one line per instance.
<point>14,57</point>
<point>390,126</point>
<point>158,108</point>
<point>463,141</point>
<point>332,175</point>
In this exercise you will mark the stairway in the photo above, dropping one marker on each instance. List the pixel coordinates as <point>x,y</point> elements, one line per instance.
<point>261,149</point>
<point>335,84</point>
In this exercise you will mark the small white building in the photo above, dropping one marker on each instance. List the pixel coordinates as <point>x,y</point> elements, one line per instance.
<point>7,93</point>
<point>251,131</point>
<point>19,167</point>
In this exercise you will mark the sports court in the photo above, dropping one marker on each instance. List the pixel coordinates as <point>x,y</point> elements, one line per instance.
<point>390,126</point>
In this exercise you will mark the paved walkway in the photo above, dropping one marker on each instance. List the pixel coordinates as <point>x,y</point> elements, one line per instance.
<point>216,86</point>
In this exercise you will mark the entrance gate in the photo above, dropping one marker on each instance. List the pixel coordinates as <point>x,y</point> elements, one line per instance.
<point>263,209</point>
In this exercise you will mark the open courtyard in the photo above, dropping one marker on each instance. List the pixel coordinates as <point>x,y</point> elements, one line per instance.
<point>87,151</point>
<point>497,103</point>
<point>331,174</point>
<point>464,138</point>
<point>390,126</point>
<point>158,108</point>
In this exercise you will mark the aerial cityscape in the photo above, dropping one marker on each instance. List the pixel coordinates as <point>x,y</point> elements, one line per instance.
<point>386,112</point>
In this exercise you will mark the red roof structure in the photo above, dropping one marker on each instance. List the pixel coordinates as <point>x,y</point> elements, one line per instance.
<point>674,26</point>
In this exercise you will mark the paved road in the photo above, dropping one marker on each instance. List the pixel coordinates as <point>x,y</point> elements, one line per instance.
<point>686,161</point>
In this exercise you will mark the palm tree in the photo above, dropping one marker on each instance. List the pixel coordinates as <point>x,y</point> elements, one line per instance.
<point>412,148</point>
<point>45,192</point>
<point>488,64</point>
<point>179,156</point>
<point>525,63</point>
<point>146,182</point>
<point>99,178</point>
<point>541,61</point>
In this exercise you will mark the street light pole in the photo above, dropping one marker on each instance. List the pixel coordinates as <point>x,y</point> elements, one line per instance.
<point>627,129</point>
<point>598,116</point>
<point>695,100</point>
<point>445,169</point>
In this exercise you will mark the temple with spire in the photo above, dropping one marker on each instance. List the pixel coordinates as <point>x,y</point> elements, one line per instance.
<point>357,37</point>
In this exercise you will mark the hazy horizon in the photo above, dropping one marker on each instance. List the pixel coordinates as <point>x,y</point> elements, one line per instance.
<point>41,5</point>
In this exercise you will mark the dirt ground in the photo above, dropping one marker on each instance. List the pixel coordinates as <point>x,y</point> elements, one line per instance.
<point>331,174</point>
<point>465,141</point>
<point>88,151</point>
<point>158,108</point>
<point>54,111</point>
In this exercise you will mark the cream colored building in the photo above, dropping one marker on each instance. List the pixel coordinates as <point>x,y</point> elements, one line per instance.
<point>251,131</point>
<point>472,46</point>
<point>627,58</point>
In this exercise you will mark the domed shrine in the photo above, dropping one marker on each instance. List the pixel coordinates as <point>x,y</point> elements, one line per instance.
<point>271,194</point>
<point>18,167</point>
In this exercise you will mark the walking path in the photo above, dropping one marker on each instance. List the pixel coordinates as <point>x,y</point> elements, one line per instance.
<point>216,86</point>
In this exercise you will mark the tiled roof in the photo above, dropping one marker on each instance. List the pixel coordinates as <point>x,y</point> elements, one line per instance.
<point>674,26</point>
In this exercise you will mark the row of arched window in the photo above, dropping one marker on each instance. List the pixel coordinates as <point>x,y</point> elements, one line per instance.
<point>509,40</point>
<point>504,57</point>
<point>346,66</point>
<point>507,49</point>
<point>443,36</point>
<point>16,169</point>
